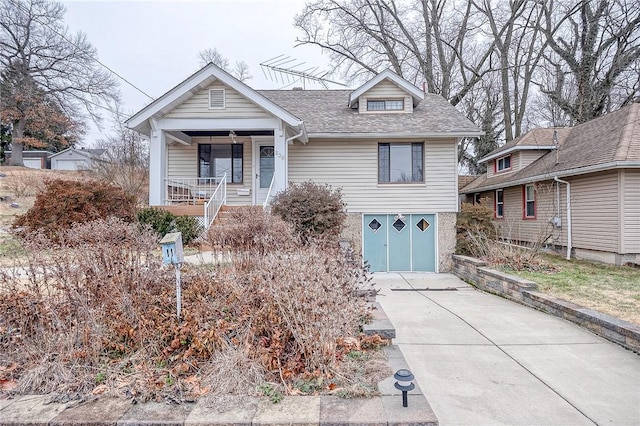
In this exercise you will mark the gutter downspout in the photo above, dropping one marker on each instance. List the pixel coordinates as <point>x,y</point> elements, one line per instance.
<point>568,214</point>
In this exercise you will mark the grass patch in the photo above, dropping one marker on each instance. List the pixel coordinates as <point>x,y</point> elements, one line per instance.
<point>614,290</point>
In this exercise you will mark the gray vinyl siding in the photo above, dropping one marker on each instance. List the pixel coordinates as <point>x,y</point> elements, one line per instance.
<point>528,157</point>
<point>513,226</point>
<point>385,90</point>
<point>182,162</point>
<point>631,210</point>
<point>594,209</point>
<point>236,106</point>
<point>353,166</point>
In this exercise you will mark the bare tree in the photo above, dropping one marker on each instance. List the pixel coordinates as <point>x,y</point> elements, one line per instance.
<point>127,160</point>
<point>39,54</point>
<point>431,41</point>
<point>515,29</point>
<point>240,70</point>
<point>595,55</point>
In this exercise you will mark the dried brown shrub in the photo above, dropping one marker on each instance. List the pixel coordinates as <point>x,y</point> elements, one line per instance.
<point>63,203</point>
<point>97,313</point>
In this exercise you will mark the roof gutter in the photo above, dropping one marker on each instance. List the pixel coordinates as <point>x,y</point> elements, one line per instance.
<point>365,135</point>
<point>516,148</point>
<point>569,242</point>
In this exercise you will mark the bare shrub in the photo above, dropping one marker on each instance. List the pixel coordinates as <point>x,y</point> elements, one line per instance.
<point>474,225</point>
<point>23,184</point>
<point>316,211</point>
<point>96,313</point>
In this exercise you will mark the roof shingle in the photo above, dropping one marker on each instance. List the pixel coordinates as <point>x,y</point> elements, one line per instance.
<point>327,111</point>
<point>612,138</point>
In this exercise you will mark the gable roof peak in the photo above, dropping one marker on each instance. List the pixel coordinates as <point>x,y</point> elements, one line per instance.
<point>387,74</point>
<point>198,81</point>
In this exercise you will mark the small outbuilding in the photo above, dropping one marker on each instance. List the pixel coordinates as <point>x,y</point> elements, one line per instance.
<point>32,159</point>
<point>76,159</point>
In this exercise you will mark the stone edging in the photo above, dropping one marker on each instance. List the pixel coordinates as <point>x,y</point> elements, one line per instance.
<point>476,272</point>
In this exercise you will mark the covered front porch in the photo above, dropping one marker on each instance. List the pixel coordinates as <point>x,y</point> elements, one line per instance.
<point>216,141</point>
<point>200,170</point>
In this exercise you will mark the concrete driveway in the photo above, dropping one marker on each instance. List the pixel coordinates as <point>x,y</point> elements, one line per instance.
<point>484,360</point>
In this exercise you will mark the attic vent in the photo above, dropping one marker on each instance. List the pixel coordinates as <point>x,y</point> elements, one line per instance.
<point>216,99</point>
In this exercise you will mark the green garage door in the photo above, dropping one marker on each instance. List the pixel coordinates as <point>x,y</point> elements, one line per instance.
<point>400,242</point>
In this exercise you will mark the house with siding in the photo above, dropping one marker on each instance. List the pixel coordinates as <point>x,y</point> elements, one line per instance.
<point>575,188</point>
<point>390,147</point>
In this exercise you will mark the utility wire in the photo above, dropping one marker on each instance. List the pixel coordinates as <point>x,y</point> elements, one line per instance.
<point>92,56</point>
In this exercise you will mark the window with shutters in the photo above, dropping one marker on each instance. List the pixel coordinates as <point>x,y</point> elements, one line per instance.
<point>216,99</point>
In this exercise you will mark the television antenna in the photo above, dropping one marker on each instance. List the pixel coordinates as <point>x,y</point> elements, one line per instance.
<point>286,70</point>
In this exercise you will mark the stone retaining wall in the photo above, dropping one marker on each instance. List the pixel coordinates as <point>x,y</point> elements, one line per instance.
<point>476,272</point>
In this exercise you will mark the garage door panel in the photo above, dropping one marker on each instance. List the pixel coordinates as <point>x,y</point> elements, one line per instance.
<point>375,242</point>
<point>423,243</point>
<point>399,243</point>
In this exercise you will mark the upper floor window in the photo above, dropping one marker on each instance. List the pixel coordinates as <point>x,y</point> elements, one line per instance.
<point>400,163</point>
<point>529,201</point>
<point>214,160</point>
<point>503,164</point>
<point>385,105</point>
<point>499,207</point>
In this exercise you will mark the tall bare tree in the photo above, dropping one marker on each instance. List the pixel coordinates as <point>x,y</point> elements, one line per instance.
<point>434,42</point>
<point>594,62</point>
<point>40,55</point>
<point>239,70</point>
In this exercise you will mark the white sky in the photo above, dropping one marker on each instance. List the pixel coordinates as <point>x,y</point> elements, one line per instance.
<point>154,44</point>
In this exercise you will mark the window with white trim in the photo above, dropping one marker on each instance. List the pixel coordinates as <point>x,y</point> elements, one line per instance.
<point>217,99</point>
<point>503,163</point>
<point>385,105</point>
<point>400,163</point>
<point>499,210</point>
<point>214,160</point>
<point>529,195</point>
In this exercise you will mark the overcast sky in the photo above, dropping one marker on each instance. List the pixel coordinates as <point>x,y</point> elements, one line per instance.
<point>154,44</point>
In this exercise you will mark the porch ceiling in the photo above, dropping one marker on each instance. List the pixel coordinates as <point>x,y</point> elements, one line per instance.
<point>195,133</point>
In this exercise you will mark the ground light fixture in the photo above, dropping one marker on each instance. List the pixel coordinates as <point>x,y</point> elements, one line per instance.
<point>404,383</point>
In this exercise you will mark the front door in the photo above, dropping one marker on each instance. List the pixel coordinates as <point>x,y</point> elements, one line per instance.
<point>265,166</point>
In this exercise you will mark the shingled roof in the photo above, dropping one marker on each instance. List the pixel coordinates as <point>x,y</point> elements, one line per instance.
<point>327,113</point>
<point>607,142</point>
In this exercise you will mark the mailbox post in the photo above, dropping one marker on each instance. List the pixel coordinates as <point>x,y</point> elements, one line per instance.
<point>173,254</point>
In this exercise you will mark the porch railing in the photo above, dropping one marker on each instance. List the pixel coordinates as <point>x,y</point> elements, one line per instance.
<point>266,206</point>
<point>217,200</point>
<point>190,190</point>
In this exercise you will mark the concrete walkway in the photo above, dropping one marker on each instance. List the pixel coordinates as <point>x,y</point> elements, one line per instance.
<point>481,359</point>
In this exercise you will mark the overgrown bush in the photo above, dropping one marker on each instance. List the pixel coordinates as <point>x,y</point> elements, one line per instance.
<point>316,211</point>
<point>474,224</point>
<point>189,227</point>
<point>163,221</point>
<point>63,203</point>
<point>99,316</point>
<point>159,220</point>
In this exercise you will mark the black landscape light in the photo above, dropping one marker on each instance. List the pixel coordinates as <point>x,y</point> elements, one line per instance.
<point>404,383</point>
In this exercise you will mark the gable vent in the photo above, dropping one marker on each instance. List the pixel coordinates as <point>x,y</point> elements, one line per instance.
<point>216,99</point>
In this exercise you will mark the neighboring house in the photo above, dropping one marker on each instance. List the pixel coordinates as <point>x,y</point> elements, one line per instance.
<point>77,159</point>
<point>598,162</point>
<point>32,159</point>
<point>391,148</point>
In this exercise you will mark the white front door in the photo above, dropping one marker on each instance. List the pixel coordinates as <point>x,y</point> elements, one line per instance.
<point>265,166</point>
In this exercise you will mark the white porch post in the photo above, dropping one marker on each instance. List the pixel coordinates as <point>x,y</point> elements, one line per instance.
<point>281,161</point>
<point>157,166</point>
